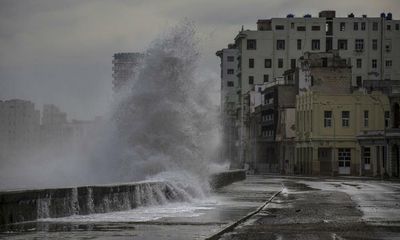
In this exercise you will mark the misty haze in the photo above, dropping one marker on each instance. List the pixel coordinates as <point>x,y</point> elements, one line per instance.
<point>192,119</point>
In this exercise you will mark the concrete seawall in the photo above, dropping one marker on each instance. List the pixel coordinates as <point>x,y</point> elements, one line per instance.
<point>222,179</point>
<point>29,205</point>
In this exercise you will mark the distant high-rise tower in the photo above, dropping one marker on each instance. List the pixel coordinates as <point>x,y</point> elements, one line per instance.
<point>124,68</point>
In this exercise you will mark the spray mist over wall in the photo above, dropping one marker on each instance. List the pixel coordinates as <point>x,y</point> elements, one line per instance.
<point>163,124</point>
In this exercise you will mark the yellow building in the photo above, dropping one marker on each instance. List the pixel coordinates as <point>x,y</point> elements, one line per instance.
<point>327,126</point>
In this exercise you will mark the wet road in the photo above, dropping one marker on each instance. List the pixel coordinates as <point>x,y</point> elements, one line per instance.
<point>307,208</point>
<point>311,208</point>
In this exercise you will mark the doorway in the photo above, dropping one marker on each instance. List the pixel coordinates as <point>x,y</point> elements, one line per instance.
<point>344,160</point>
<point>325,160</point>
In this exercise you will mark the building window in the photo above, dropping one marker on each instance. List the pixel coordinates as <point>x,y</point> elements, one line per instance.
<point>388,27</point>
<point>298,44</point>
<point>359,81</point>
<point>375,26</point>
<point>367,156</point>
<point>280,62</point>
<point>359,44</point>
<point>280,44</point>
<point>374,44</point>
<point>342,44</point>
<point>355,26</point>
<point>231,58</point>
<point>397,26</point>
<point>359,62</point>
<point>324,62</point>
<point>251,80</point>
<point>388,46</point>
<point>388,63</point>
<point>251,44</point>
<point>374,63</point>
<point>266,78</point>
<point>230,71</point>
<point>344,157</point>
<point>327,119</point>
<point>342,26</point>
<point>387,119</point>
<point>315,44</point>
<point>363,26</point>
<point>279,27</point>
<point>267,63</point>
<point>251,62</point>
<point>230,83</point>
<point>316,28</point>
<point>292,63</point>
<point>301,28</point>
<point>366,118</point>
<point>345,118</point>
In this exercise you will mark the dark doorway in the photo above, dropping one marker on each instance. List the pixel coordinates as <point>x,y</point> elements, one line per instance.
<point>396,115</point>
<point>395,161</point>
<point>325,161</point>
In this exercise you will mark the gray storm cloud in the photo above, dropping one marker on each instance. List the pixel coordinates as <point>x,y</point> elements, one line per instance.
<point>60,52</point>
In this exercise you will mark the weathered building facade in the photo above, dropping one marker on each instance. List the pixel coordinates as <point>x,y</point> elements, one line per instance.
<point>270,145</point>
<point>323,55</point>
<point>384,144</point>
<point>327,125</point>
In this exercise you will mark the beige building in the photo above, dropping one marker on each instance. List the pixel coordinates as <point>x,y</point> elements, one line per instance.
<point>371,142</point>
<point>327,126</point>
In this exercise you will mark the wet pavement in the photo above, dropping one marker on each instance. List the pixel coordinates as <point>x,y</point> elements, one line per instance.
<point>313,208</point>
<point>307,208</point>
<point>196,220</point>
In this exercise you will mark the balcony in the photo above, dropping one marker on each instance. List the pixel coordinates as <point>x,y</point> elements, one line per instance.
<point>279,81</point>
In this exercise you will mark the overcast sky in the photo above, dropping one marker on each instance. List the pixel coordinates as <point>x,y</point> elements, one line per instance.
<point>60,52</point>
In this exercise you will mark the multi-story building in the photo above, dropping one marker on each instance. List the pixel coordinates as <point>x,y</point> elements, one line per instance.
<point>368,44</point>
<point>124,68</point>
<point>329,117</point>
<point>270,144</point>
<point>384,144</point>
<point>229,102</point>
<point>54,125</point>
<point>327,125</point>
<point>19,126</point>
<point>365,44</point>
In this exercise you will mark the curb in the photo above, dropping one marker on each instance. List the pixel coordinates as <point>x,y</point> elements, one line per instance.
<point>235,224</point>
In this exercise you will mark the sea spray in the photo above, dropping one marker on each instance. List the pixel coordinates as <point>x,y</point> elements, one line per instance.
<point>163,119</point>
<point>162,124</point>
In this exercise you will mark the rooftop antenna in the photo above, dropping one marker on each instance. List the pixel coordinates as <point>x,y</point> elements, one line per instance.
<point>242,27</point>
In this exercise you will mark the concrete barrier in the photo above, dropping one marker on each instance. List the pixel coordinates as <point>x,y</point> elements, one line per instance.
<point>29,205</point>
<point>222,179</point>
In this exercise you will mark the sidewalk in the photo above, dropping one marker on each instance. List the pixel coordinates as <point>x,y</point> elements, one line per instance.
<point>304,212</point>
